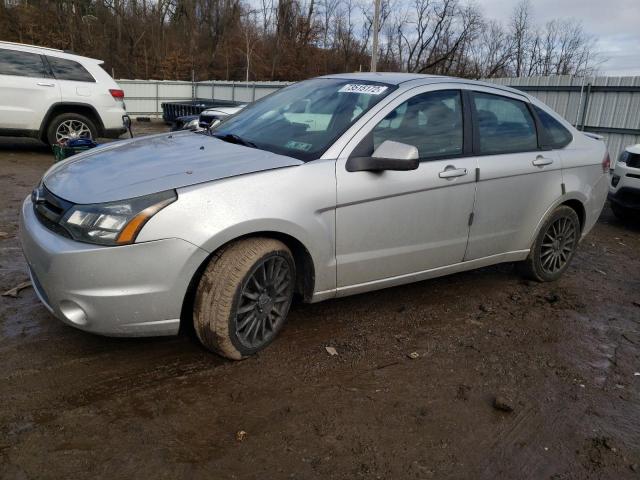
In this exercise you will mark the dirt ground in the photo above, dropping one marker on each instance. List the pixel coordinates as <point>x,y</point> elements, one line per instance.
<point>563,356</point>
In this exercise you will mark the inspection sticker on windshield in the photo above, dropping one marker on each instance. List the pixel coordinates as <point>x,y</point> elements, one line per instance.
<point>366,89</point>
<point>298,145</point>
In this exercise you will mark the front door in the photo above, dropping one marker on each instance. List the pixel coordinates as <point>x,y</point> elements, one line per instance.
<point>399,223</point>
<point>518,181</point>
<point>26,90</point>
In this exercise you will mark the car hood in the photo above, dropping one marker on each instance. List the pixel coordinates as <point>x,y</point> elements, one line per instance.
<point>145,165</point>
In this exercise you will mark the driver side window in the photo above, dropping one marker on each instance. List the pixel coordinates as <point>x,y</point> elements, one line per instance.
<point>431,122</point>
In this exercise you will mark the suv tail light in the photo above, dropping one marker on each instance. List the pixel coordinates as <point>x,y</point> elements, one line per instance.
<point>117,94</point>
<point>606,163</point>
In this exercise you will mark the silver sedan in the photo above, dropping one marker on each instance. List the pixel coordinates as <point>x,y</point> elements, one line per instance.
<point>330,187</point>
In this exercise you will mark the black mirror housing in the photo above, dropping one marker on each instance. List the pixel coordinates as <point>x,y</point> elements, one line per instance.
<point>377,164</point>
<point>389,155</point>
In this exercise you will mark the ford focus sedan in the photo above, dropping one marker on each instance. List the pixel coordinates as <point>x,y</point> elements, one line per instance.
<point>333,186</point>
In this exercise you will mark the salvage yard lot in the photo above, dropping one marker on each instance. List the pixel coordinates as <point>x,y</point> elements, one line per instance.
<point>565,357</point>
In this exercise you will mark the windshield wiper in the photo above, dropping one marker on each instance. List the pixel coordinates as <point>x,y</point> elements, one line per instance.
<point>237,139</point>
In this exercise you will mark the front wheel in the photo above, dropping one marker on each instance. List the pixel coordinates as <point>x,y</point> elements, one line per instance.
<point>244,297</point>
<point>554,247</point>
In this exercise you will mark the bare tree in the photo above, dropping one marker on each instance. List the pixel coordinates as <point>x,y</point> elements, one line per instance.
<point>520,30</point>
<point>295,39</point>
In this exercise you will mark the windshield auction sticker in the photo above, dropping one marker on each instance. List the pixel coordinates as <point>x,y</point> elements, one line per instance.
<point>366,89</point>
<point>305,147</point>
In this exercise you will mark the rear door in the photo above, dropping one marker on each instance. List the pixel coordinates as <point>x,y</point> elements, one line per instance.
<point>518,179</point>
<point>76,83</point>
<point>26,90</point>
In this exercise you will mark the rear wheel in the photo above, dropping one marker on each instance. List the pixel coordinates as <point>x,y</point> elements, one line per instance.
<point>554,247</point>
<point>244,297</point>
<point>70,126</point>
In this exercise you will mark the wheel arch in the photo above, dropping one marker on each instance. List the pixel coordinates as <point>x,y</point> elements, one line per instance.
<point>305,270</point>
<point>579,208</point>
<point>85,109</point>
<point>575,200</point>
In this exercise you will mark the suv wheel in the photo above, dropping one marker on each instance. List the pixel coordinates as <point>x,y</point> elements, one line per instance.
<point>244,297</point>
<point>70,126</point>
<point>555,246</point>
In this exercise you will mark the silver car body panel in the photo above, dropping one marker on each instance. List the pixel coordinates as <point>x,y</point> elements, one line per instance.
<point>298,202</point>
<point>146,165</point>
<point>363,231</point>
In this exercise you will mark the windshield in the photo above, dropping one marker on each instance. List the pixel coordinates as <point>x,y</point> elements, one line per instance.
<point>304,119</point>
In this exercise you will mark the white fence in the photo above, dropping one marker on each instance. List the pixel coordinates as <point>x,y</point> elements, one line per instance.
<point>608,106</point>
<point>144,97</point>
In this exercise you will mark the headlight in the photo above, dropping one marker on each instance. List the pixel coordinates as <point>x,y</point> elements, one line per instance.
<point>114,223</point>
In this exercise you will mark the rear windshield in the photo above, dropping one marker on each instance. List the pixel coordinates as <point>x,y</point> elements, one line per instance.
<point>304,119</point>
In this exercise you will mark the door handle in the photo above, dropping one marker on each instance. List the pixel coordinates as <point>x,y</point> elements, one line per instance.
<point>43,84</point>
<point>450,172</point>
<point>541,161</point>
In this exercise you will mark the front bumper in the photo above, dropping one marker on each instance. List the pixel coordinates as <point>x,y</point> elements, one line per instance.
<point>130,290</point>
<point>624,187</point>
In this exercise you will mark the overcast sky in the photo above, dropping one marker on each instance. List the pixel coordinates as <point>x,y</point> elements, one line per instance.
<point>614,23</point>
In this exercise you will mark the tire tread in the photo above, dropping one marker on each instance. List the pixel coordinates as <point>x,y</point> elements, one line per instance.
<point>219,287</point>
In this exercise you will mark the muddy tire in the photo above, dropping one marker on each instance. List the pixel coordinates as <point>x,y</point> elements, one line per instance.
<point>554,246</point>
<point>70,125</point>
<point>244,296</point>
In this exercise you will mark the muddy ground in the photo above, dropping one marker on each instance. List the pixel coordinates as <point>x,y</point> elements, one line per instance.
<point>564,356</point>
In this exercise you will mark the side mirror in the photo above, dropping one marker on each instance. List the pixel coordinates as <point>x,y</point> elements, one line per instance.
<point>389,155</point>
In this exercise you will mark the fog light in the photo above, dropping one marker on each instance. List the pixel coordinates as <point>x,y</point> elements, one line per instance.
<point>73,312</point>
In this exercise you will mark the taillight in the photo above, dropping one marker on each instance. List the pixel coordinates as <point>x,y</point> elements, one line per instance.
<point>117,94</point>
<point>606,163</point>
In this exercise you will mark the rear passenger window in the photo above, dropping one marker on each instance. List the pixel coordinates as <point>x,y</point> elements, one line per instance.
<point>21,64</point>
<point>64,69</point>
<point>504,124</point>
<point>556,135</point>
<point>431,122</point>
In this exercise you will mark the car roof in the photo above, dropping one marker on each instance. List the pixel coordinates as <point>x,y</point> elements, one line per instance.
<point>392,78</point>
<point>398,78</point>
<point>23,47</point>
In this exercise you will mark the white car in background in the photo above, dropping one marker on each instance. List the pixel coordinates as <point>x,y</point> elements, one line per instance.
<point>624,190</point>
<point>52,95</point>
